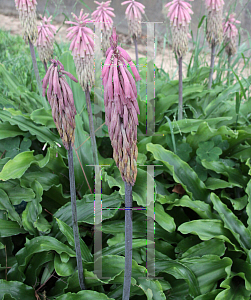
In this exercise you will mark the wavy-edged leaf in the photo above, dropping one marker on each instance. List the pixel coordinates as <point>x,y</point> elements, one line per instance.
<point>85,208</point>
<point>235,176</point>
<point>235,290</point>
<point>152,288</point>
<point>87,295</point>
<point>10,228</point>
<point>17,166</point>
<point>7,206</point>
<point>240,232</point>
<point>210,247</point>
<point>68,233</point>
<point>164,220</point>
<point>181,172</point>
<point>188,125</point>
<point>16,289</point>
<point>201,208</point>
<point>179,271</point>
<point>41,244</point>
<point>208,229</point>
<point>43,134</point>
<point>43,117</point>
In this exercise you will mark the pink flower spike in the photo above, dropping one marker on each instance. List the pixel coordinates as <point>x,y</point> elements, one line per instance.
<point>121,108</point>
<point>230,33</point>
<point>82,47</point>
<point>133,14</point>
<point>46,32</point>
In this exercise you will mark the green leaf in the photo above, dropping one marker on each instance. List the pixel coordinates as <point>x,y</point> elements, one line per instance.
<point>64,268</point>
<point>208,296</point>
<point>235,290</point>
<point>208,229</point>
<point>201,208</point>
<point>179,271</point>
<point>87,295</point>
<point>68,233</point>
<point>234,175</point>
<point>7,130</point>
<point>208,152</point>
<point>7,206</point>
<point>85,208</point>
<point>41,244</point>
<point>152,288</point>
<point>10,228</point>
<point>33,209</point>
<point>216,183</point>
<point>43,117</point>
<point>181,172</point>
<point>17,290</point>
<point>188,125</point>
<point>43,134</point>
<point>164,220</point>
<point>210,247</point>
<point>240,232</point>
<point>16,167</point>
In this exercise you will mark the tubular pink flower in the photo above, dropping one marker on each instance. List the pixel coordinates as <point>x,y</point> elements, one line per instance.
<point>179,12</point>
<point>44,43</point>
<point>134,13</point>
<point>103,16</point>
<point>214,4</point>
<point>82,47</point>
<point>230,33</point>
<point>60,97</point>
<point>121,108</point>
<point>27,16</point>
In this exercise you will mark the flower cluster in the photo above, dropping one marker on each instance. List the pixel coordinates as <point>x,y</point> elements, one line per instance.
<point>27,16</point>
<point>103,16</point>
<point>121,108</point>
<point>230,33</point>
<point>46,37</point>
<point>214,21</point>
<point>82,47</point>
<point>60,97</point>
<point>179,13</point>
<point>133,14</point>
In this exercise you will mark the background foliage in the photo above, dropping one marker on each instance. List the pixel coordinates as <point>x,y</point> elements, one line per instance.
<point>202,188</point>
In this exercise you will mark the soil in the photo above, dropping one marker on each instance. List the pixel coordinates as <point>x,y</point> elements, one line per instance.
<point>166,61</point>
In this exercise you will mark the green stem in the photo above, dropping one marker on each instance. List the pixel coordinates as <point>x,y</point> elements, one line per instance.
<point>229,65</point>
<point>91,125</point>
<point>128,241</point>
<point>35,67</point>
<point>212,66</point>
<point>180,109</point>
<point>75,219</point>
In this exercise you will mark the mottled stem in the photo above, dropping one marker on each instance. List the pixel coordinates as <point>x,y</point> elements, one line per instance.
<point>45,66</point>
<point>229,65</point>
<point>91,125</point>
<point>180,109</point>
<point>212,66</point>
<point>128,241</point>
<point>137,57</point>
<point>35,67</point>
<point>75,219</point>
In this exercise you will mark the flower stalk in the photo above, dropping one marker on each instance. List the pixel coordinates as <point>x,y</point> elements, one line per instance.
<point>180,109</point>
<point>82,47</point>
<point>230,33</point>
<point>133,14</point>
<point>179,13</point>
<point>60,97</point>
<point>214,30</point>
